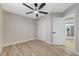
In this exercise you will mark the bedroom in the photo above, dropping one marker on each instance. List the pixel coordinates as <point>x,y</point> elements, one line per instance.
<point>40,32</point>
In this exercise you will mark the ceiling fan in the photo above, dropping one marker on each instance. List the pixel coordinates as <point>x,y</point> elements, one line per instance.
<point>37,8</point>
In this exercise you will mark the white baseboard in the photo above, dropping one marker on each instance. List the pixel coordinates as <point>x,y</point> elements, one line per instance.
<point>17,42</point>
<point>56,44</point>
<point>49,42</point>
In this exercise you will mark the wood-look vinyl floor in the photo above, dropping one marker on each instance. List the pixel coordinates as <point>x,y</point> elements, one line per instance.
<point>35,48</point>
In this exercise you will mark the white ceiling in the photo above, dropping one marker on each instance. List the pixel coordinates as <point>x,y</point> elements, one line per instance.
<point>20,9</point>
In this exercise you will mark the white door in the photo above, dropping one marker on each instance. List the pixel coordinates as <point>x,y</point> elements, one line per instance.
<point>58,31</point>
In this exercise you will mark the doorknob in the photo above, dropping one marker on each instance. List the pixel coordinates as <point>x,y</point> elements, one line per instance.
<point>53,32</point>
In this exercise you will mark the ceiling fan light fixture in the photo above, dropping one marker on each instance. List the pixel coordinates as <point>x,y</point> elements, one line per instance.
<point>37,9</point>
<point>36,12</point>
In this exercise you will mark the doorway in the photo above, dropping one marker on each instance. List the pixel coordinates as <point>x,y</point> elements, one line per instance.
<point>58,31</point>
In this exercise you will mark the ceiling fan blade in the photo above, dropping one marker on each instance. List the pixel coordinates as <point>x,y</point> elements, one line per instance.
<point>36,4</point>
<point>29,12</point>
<point>43,12</point>
<point>36,15</point>
<point>28,6</point>
<point>42,5</point>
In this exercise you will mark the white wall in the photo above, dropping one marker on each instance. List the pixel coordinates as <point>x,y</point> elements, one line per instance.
<point>44,28</point>
<point>77,28</point>
<point>1,16</point>
<point>17,28</point>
